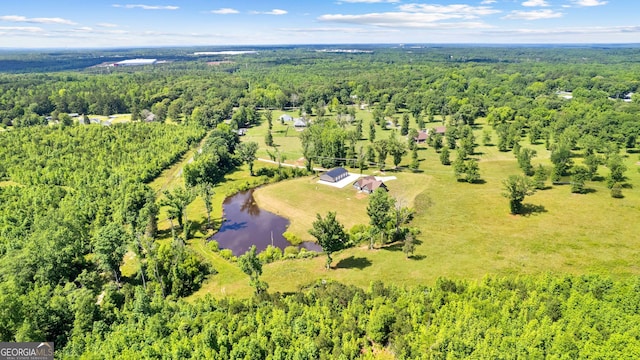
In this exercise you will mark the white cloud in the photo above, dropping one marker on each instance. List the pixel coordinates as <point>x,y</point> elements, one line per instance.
<point>225,11</point>
<point>488,2</point>
<point>272,12</point>
<point>371,1</point>
<point>26,29</point>
<point>107,25</point>
<point>403,20</point>
<point>533,15</point>
<point>455,10</point>
<point>532,3</point>
<point>590,2</point>
<point>336,30</point>
<point>146,7</point>
<point>419,16</point>
<point>17,18</point>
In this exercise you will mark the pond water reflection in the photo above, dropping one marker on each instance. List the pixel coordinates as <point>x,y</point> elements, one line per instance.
<point>246,224</point>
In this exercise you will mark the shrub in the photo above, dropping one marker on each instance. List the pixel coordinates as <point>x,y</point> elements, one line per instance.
<point>292,238</point>
<point>306,254</point>
<point>213,245</point>
<point>227,254</point>
<point>616,191</point>
<point>358,234</point>
<point>270,254</point>
<point>291,252</point>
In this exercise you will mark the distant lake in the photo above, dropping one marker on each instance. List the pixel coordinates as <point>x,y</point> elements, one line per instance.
<point>246,224</point>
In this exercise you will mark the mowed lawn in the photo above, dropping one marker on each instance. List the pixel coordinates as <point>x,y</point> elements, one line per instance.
<point>300,200</point>
<point>467,233</point>
<point>466,229</point>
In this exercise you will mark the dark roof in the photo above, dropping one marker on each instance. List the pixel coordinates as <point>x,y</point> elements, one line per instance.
<point>334,173</point>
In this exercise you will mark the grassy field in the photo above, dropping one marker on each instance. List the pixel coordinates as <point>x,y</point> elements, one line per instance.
<point>467,231</point>
<point>300,200</point>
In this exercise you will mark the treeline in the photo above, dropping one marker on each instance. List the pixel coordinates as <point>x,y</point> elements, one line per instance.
<point>76,201</point>
<point>528,317</point>
<point>423,82</point>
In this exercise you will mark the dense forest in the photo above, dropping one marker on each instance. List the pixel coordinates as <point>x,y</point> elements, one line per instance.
<point>75,197</point>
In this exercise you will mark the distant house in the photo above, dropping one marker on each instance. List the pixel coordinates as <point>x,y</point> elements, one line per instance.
<point>94,121</point>
<point>334,175</point>
<point>74,115</point>
<point>299,123</point>
<point>423,135</point>
<point>285,118</point>
<point>150,118</point>
<point>628,97</point>
<point>369,184</point>
<point>440,130</point>
<point>567,95</point>
<point>241,131</point>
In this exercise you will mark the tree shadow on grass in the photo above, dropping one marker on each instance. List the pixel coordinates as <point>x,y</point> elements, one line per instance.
<point>353,262</point>
<point>398,245</point>
<point>588,191</point>
<point>417,257</point>
<point>531,209</point>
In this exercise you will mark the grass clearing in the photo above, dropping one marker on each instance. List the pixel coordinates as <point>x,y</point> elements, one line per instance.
<point>300,199</point>
<point>467,231</point>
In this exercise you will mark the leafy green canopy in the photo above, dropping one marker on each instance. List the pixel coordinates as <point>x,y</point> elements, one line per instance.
<point>528,317</point>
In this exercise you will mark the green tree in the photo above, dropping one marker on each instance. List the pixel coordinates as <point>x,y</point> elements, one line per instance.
<point>382,148</point>
<point>372,131</point>
<point>561,158</point>
<point>472,171</point>
<point>524,160</point>
<point>415,163</point>
<point>444,156</point>
<point>579,175</point>
<point>486,137</point>
<point>616,170</point>
<point>109,247</point>
<point>358,129</point>
<point>268,115</point>
<point>247,153</point>
<point>330,235</point>
<point>411,139</point>
<point>268,138</point>
<point>436,141</point>
<point>616,191</point>
<point>379,211</point>
<point>516,188</point>
<point>404,128</point>
<point>396,148</point>
<point>459,168</point>
<point>409,246</point>
<point>205,190</point>
<point>177,201</point>
<point>592,161</point>
<point>539,177</point>
<point>250,264</point>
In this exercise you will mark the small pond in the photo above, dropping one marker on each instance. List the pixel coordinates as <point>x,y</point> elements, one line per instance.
<point>246,224</point>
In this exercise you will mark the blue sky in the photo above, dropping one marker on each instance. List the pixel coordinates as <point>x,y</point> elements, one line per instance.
<point>99,23</point>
